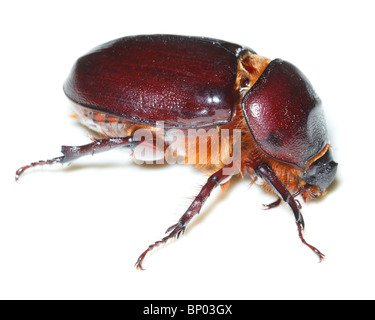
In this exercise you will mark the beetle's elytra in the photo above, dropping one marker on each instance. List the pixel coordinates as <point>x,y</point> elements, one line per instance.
<point>207,102</point>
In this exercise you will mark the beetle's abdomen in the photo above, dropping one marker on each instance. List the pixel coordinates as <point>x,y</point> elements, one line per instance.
<point>183,81</point>
<point>102,123</point>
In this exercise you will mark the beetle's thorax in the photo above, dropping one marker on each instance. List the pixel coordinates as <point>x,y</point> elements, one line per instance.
<point>289,175</point>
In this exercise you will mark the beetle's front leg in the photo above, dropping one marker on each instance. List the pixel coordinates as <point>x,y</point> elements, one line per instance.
<point>179,228</point>
<point>272,204</point>
<point>264,171</point>
<point>71,153</point>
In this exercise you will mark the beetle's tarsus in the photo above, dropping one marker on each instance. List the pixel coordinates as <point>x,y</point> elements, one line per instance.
<point>315,250</point>
<point>175,231</point>
<point>23,169</point>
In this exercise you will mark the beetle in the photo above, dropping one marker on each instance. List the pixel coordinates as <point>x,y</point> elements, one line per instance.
<point>273,119</point>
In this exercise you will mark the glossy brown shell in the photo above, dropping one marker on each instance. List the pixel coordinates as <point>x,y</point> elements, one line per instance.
<point>284,115</point>
<point>186,82</point>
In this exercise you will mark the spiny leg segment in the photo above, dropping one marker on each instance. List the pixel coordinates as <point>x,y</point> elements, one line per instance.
<point>178,229</point>
<point>71,153</point>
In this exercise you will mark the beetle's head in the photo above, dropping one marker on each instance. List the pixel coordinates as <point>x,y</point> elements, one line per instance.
<point>321,172</point>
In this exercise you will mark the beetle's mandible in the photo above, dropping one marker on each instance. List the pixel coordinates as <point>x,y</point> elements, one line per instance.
<point>207,102</point>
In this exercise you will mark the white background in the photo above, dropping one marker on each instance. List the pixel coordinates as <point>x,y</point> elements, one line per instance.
<point>76,233</point>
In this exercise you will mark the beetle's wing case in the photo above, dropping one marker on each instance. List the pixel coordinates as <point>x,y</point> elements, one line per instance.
<point>284,115</point>
<point>186,82</point>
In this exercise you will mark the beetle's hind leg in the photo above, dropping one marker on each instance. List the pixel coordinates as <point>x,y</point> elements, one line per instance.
<point>178,229</point>
<point>71,153</point>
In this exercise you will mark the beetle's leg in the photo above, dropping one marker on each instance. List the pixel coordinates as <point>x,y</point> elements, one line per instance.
<point>271,205</point>
<point>71,153</point>
<point>264,171</point>
<point>179,228</point>
<point>278,201</point>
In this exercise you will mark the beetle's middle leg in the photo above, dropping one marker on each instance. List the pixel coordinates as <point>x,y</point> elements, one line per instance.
<point>179,228</point>
<point>71,153</point>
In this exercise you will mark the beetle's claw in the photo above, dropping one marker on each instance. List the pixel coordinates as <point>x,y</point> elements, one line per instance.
<point>174,231</point>
<point>271,205</point>
<point>318,253</point>
<point>138,265</point>
<point>321,257</point>
<point>19,172</point>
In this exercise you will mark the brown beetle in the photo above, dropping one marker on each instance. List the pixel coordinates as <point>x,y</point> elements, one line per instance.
<point>162,95</point>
